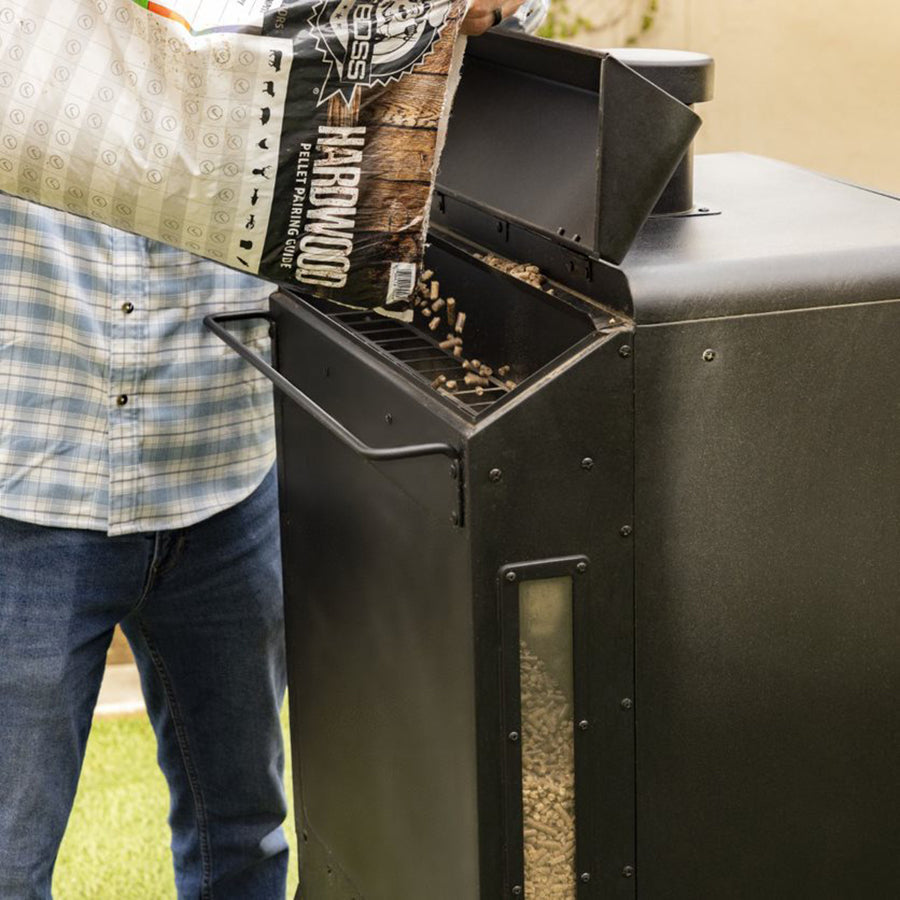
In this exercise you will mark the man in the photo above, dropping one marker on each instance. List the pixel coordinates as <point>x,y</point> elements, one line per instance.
<point>137,488</point>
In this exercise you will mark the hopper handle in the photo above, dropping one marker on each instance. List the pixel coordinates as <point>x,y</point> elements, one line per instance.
<point>343,434</point>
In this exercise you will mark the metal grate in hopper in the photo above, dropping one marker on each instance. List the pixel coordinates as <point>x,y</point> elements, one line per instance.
<point>420,354</point>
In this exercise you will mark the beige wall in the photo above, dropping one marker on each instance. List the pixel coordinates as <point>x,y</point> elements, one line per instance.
<point>815,82</point>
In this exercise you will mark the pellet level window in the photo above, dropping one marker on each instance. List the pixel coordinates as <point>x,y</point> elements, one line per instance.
<point>546,698</point>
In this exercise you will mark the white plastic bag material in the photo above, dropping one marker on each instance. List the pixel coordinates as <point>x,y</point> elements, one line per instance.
<point>293,139</point>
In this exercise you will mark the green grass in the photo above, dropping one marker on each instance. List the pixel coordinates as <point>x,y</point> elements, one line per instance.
<point>117,843</point>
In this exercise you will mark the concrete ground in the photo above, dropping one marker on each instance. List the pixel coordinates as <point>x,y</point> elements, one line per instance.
<point>120,693</point>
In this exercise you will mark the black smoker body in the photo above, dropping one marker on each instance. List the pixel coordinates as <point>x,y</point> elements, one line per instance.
<point>692,496</point>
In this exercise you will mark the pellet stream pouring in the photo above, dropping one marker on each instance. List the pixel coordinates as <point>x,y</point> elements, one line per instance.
<point>574,558</point>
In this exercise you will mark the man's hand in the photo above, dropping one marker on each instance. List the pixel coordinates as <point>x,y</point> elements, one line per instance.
<point>481,16</point>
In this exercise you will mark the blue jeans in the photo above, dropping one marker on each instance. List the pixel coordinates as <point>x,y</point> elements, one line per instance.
<point>202,610</point>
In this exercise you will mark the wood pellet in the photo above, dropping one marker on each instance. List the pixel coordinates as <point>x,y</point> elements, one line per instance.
<point>528,273</point>
<point>548,782</point>
<point>436,310</point>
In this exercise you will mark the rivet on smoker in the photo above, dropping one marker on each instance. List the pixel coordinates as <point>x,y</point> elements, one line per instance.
<point>709,355</point>
<point>583,725</point>
<point>627,703</point>
<point>517,890</point>
<point>495,475</point>
<point>624,351</point>
<point>388,418</point>
<point>513,736</point>
<point>626,530</point>
<point>454,471</point>
<point>454,518</point>
<point>581,568</point>
<point>585,877</point>
<point>628,871</point>
<point>587,463</point>
<point>510,576</point>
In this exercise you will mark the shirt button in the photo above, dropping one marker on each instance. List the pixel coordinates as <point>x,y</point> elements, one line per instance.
<point>122,399</point>
<point>127,308</point>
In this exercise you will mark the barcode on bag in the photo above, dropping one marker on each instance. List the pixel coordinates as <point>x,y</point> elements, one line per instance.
<point>402,282</point>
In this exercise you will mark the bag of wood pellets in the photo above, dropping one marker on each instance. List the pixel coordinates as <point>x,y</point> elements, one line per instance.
<point>294,139</point>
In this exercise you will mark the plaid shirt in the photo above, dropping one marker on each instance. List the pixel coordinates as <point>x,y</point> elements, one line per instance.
<point>119,412</point>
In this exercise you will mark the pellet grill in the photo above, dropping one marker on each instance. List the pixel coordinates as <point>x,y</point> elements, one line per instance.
<point>631,628</point>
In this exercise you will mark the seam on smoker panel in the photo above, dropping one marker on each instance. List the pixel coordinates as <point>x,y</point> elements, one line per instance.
<point>771,312</point>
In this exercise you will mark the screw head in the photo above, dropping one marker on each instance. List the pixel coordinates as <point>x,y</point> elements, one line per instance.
<point>628,871</point>
<point>625,351</point>
<point>584,724</point>
<point>510,576</point>
<point>626,531</point>
<point>627,703</point>
<point>709,355</point>
<point>587,464</point>
<point>513,736</point>
<point>517,890</point>
<point>581,568</point>
<point>495,475</point>
<point>585,877</point>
